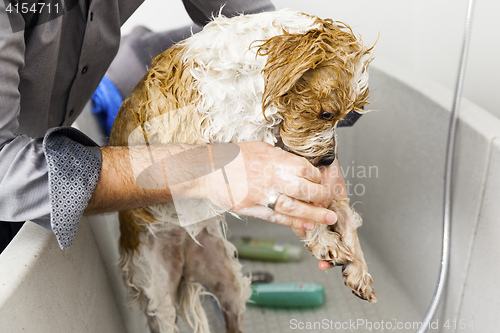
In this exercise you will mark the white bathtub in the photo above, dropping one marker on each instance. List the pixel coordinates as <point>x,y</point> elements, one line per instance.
<point>397,154</point>
<point>402,208</point>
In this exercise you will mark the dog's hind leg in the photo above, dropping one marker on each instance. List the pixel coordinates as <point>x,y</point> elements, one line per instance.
<point>154,277</point>
<point>214,265</point>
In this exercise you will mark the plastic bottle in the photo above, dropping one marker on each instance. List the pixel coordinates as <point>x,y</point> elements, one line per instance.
<point>266,249</point>
<point>288,295</point>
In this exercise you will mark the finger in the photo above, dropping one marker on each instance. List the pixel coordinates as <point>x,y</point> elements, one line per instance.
<point>301,189</point>
<point>293,222</point>
<point>298,166</point>
<point>324,265</point>
<point>265,213</point>
<point>294,208</point>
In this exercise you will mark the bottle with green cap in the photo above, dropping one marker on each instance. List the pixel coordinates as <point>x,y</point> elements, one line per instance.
<point>266,249</point>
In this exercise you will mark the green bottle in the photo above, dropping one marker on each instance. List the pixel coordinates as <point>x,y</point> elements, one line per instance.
<point>266,249</point>
<point>288,295</point>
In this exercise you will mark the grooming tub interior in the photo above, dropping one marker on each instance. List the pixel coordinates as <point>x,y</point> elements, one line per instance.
<point>393,161</point>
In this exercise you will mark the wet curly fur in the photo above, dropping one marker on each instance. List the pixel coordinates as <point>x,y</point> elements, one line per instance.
<point>285,78</point>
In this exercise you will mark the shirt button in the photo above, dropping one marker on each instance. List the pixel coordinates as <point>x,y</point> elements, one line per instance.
<point>71,112</point>
<point>85,69</point>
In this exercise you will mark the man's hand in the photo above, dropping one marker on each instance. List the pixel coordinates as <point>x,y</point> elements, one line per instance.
<point>270,170</point>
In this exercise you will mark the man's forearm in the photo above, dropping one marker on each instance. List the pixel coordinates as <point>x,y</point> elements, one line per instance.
<point>133,177</point>
<point>116,189</point>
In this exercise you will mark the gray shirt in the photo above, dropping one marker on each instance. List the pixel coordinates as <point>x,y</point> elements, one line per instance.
<point>48,71</point>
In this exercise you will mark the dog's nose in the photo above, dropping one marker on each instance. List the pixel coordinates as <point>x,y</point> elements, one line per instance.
<point>327,160</point>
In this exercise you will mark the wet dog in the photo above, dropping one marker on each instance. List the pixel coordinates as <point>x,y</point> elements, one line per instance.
<point>285,78</point>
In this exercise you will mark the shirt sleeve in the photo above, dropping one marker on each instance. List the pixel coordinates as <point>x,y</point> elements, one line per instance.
<point>23,172</point>
<point>74,165</point>
<point>202,11</point>
<point>48,180</point>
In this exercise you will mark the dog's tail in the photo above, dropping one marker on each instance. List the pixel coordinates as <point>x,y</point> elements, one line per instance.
<point>190,308</point>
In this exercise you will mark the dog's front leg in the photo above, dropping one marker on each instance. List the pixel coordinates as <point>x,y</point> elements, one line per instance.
<point>339,244</point>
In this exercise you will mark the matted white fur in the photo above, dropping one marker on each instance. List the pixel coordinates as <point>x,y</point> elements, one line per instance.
<point>229,78</point>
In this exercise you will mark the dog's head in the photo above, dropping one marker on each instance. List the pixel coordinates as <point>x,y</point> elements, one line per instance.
<point>315,79</point>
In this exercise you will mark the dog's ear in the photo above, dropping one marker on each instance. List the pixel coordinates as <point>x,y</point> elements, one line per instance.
<point>289,56</point>
<point>331,45</point>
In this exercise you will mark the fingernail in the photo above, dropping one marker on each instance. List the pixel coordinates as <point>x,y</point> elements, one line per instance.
<point>331,218</point>
<point>309,226</point>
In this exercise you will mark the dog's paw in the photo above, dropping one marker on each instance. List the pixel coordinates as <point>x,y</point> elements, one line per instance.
<point>356,277</point>
<point>326,244</point>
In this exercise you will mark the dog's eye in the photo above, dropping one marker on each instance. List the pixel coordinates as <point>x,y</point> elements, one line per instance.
<point>326,115</point>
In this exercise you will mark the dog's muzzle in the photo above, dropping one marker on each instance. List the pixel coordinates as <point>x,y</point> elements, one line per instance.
<point>317,161</point>
<point>327,160</point>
